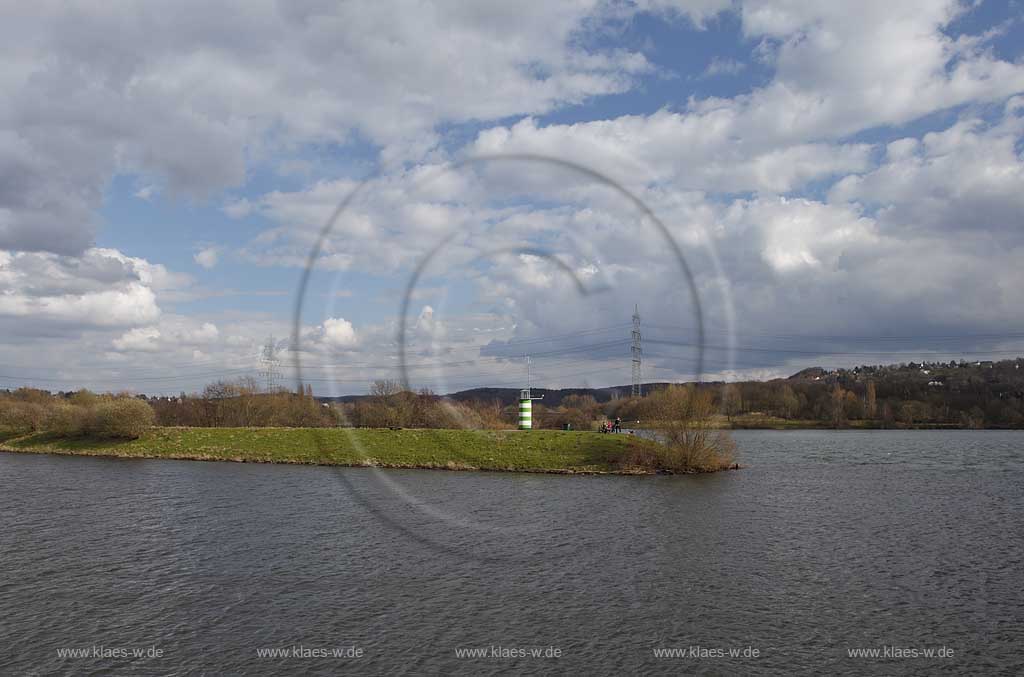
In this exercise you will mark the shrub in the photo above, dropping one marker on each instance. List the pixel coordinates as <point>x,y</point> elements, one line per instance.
<point>690,443</point>
<point>579,419</point>
<point>492,414</point>
<point>123,418</point>
<point>85,398</point>
<point>67,420</point>
<point>21,416</point>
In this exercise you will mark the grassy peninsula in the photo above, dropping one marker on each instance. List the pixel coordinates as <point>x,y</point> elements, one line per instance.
<point>505,450</point>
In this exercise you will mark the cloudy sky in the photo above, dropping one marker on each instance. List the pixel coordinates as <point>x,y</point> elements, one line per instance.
<point>830,184</point>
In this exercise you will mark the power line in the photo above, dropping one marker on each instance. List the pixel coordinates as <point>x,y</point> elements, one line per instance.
<point>242,360</point>
<point>823,353</point>
<point>851,337</point>
<point>484,366</point>
<point>500,361</point>
<point>138,373</point>
<point>498,368</point>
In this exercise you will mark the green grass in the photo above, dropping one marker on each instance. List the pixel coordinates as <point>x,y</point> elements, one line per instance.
<point>514,450</point>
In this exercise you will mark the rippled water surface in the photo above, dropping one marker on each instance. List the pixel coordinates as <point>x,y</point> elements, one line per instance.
<point>825,542</point>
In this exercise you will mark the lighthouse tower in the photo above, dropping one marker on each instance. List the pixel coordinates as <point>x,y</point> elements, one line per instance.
<point>525,410</point>
<point>526,402</point>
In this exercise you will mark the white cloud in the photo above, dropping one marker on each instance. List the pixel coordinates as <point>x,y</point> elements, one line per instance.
<point>237,209</point>
<point>339,333</point>
<point>204,334</point>
<point>800,235</point>
<point>692,152</point>
<point>719,66</point>
<point>839,69</point>
<point>102,288</point>
<point>146,192</point>
<point>209,94</point>
<point>130,305</point>
<point>965,179</point>
<point>700,12</point>
<point>188,95</point>
<point>153,275</point>
<point>843,67</point>
<point>173,333</point>
<point>140,339</point>
<point>207,257</point>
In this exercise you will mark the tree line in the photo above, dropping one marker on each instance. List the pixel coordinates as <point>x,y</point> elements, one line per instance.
<point>78,414</point>
<point>954,394</point>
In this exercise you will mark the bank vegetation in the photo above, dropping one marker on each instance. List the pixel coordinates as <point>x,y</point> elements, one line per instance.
<point>84,422</point>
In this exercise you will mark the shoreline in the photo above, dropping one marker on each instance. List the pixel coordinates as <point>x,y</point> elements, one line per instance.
<point>769,423</point>
<point>369,463</point>
<point>535,451</point>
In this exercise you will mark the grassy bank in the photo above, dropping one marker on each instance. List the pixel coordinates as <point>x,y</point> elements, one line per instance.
<point>509,450</point>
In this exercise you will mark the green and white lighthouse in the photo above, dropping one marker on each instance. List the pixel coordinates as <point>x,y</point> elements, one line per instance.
<point>526,402</point>
<point>525,409</point>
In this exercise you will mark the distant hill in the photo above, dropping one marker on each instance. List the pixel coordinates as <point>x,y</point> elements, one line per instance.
<point>809,374</point>
<point>957,393</point>
<point>506,396</point>
<point>552,398</point>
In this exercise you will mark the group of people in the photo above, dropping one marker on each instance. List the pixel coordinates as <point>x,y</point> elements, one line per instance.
<point>609,427</point>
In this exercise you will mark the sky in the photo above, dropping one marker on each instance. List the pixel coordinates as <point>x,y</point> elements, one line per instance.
<point>771,184</point>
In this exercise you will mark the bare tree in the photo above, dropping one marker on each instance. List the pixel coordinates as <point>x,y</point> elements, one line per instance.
<point>870,401</point>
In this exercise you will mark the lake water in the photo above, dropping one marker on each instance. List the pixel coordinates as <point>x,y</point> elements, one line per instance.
<point>826,542</point>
